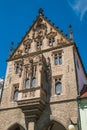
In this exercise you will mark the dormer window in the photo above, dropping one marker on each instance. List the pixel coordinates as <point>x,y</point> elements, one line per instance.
<point>51,41</point>
<point>39,45</point>
<point>58,86</point>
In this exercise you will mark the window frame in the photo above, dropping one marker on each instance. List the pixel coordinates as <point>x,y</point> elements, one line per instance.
<point>15,87</point>
<point>14,96</point>
<point>27,79</point>
<point>17,68</point>
<point>34,80</point>
<point>39,45</point>
<point>58,80</point>
<point>58,58</point>
<point>51,41</point>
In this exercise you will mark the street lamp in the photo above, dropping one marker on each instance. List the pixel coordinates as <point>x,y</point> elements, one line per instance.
<point>71,127</point>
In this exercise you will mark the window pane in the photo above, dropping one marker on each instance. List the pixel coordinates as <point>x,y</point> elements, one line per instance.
<point>56,60</point>
<point>17,69</point>
<point>51,41</point>
<point>58,88</point>
<point>40,45</point>
<point>27,48</point>
<point>37,45</point>
<point>16,95</point>
<point>60,60</point>
<point>34,82</point>
<point>27,83</point>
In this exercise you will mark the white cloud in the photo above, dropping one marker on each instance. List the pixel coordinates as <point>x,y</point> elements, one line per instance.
<point>79,6</point>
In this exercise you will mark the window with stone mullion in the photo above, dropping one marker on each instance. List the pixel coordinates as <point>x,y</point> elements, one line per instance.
<point>39,45</point>
<point>34,76</point>
<point>27,79</point>
<point>51,41</point>
<point>27,48</point>
<point>58,59</point>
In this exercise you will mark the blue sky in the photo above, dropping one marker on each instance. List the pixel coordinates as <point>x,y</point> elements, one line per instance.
<point>16,16</point>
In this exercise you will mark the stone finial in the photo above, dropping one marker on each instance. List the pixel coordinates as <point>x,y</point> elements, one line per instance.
<point>40,11</point>
<point>71,33</point>
<point>11,48</point>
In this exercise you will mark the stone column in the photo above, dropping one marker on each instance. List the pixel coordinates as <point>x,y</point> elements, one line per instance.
<point>39,75</point>
<point>31,125</point>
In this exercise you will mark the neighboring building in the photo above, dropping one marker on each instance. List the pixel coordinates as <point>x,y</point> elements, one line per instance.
<point>1,88</point>
<point>40,90</point>
<point>82,101</point>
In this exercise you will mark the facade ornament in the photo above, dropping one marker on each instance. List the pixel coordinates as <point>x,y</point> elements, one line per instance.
<point>27,41</point>
<point>18,53</point>
<point>40,11</point>
<point>11,48</point>
<point>71,33</point>
<point>48,69</point>
<point>51,35</point>
<point>20,70</point>
<point>39,30</point>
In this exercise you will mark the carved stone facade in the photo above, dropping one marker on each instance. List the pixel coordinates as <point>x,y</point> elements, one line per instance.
<point>40,88</point>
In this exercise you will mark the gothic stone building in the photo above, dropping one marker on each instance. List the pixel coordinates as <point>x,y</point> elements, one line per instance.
<point>40,88</point>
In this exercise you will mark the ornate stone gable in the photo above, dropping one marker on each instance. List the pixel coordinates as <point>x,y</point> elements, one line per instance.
<point>41,35</point>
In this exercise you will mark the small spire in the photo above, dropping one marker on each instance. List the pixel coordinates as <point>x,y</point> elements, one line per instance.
<point>71,33</point>
<point>11,48</point>
<point>40,11</point>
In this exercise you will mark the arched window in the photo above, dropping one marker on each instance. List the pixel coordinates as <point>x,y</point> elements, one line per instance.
<point>34,82</point>
<point>16,95</point>
<point>58,59</point>
<point>27,83</point>
<point>58,87</point>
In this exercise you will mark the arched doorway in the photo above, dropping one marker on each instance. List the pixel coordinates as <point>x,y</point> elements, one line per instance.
<point>16,126</point>
<point>53,125</point>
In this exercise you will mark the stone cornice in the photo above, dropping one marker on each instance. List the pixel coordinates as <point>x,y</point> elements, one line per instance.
<point>51,102</point>
<point>41,51</point>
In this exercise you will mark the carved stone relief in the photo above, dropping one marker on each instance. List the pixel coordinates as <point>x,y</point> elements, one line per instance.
<point>39,30</point>
<point>18,53</point>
